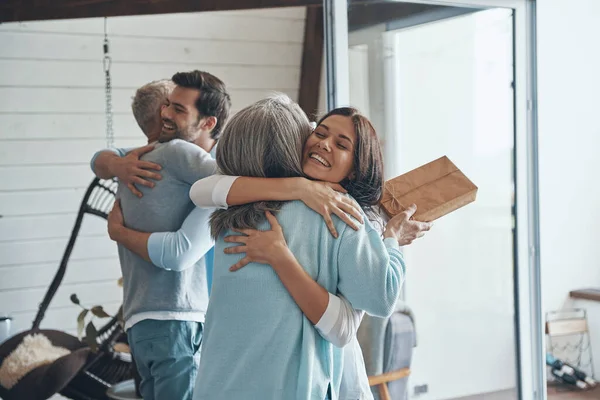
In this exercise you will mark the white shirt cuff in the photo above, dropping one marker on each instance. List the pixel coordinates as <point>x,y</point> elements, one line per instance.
<point>212,191</point>
<point>330,316</point>
<point>221,190</point>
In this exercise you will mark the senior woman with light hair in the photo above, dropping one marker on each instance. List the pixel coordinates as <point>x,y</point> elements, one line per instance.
<point>257,342</point>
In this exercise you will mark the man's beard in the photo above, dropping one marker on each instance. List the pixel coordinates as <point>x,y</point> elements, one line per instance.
<point>189,134</point>
<point>167,136</point>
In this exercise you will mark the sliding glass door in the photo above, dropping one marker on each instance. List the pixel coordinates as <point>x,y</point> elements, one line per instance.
<point>455,78</point>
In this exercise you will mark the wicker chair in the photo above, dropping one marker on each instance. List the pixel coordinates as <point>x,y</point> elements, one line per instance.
<point>387,345</point>
<point>82,374</point>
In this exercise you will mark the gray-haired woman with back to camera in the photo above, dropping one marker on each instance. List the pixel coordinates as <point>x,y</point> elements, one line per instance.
<point>257,342</point>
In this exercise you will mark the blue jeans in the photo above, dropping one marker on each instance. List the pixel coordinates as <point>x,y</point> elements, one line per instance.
<point>167,357</point>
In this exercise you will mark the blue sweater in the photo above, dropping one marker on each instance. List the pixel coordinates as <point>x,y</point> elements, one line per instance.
<point>148,290</point>
<point>183,248</point>
<point>258,344</point>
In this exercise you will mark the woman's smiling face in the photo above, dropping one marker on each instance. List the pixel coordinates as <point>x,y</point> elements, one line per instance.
<point>329,151</point>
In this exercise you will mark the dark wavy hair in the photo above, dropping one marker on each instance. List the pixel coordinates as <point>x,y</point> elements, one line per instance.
<point>214,100</point>
<point>366,187</point>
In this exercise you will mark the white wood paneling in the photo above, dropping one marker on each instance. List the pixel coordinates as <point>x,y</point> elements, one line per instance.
<point>220,26</point>
<point>32,126</point>
<point>41,202</point>
<point>34,73</point>
<point>45,250</point>
<point>15,178</point>
<point>49,226</point>
<point>22,300</point>
<point>282,13</point>
<point>52,121</point>
<point>187,52</point>
<point>87,100</point>
<point>48,152</point>
<point>80,271</point>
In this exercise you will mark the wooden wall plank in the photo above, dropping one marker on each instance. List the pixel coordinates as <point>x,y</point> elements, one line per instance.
<point>29,126</point>
<point>91,293</point>
<point>52,73</point>
<point>84,100</point>
<point>44,152</point>
<point>187,52</point>
<point>294,13</point>
<point>215,26</point>
<point>78,271</point>
<point>51,250</point>
<point>37,203</point>
<point>48,226</point>
<point>15,178</point>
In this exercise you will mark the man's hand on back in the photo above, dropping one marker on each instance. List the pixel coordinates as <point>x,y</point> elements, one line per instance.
<point>131,170</point>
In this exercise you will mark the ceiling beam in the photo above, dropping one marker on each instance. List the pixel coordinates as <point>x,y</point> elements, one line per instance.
<point>37,10</point>
<point>365,14</point>
<point>312,62</point>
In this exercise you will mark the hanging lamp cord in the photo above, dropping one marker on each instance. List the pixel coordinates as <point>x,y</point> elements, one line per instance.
<point>106,62</point>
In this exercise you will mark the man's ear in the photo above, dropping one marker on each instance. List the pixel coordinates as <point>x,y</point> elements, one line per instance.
<point>208,123</point>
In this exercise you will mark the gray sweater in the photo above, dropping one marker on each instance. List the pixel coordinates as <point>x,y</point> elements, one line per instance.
<point>151,291</point>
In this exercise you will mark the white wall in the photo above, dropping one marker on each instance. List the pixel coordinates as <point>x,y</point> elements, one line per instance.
<point>569,131</point>
<point>569,140</point>
<point>51,122</point>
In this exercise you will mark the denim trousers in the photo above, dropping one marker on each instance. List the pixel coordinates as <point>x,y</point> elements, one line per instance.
<point>167,355</point>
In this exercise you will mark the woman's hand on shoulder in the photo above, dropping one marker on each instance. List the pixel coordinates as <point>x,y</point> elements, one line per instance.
<point>328,198</point>
<point>263,247</point>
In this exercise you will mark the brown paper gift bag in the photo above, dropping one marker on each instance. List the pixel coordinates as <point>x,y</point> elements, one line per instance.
<point>437,188</point>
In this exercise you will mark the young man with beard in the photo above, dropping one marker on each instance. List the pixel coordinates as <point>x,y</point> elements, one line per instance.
<point>164,273</point>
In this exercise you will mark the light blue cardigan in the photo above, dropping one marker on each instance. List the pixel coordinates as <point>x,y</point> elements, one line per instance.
<point>258,344</point>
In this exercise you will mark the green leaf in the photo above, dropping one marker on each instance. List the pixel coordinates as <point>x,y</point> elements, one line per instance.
<point>99,312</point>
<point>74,299</point>
<point>91,335</point>
<point>80,322</point>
